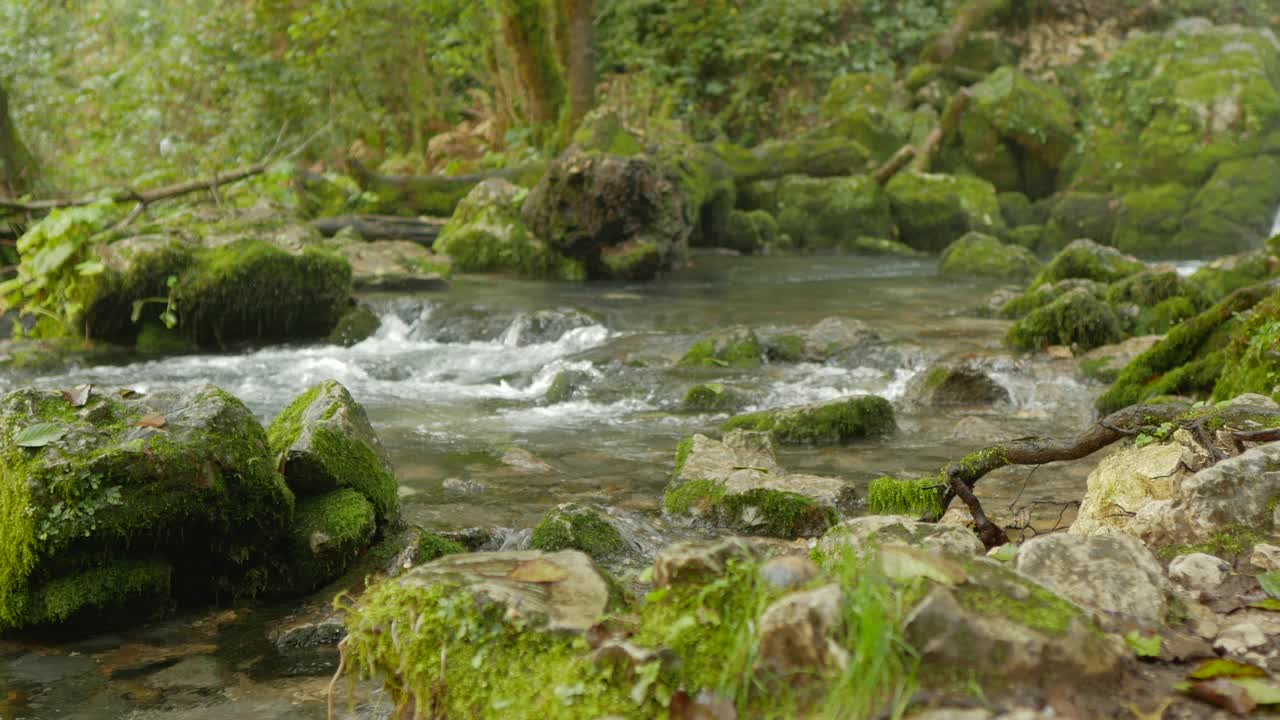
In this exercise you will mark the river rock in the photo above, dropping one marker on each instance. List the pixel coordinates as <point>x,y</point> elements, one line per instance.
<point>172,490</point>
<point>738,484</point>
<point>1026,636</point>
<point>523,460</point>
<point>198,673</point>
<point>900,530</point>
<point>981,255</point>
<point>828,423</point>
<point>787,572</point>
<point>956,383</point>
<point>933,210</point>
<point>1265,557</point>
<point>1087,260</point>
<point>1113,573</point>
<point>621,218</point>
<point>395,265</point>
<point>736,347</point>
<point>325,443</point>
<point>799,633</point>
<point>486,233</point>
<point>697,561</point>
<point>581,528</point>
<point>839,339</point>
<point>1131,477</point>
<point>1199,573</point>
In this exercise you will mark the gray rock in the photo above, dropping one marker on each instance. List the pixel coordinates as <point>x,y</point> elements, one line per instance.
<point>900,530</point>
<point>1265,557</point>
<point>789,571</point>
<point>562,591</point>
<point>1241,639</point>
<point>835,338</point>
<point>321,632</point>
<point>955,383</point>
<point>1132,478</point>
<point>689,562</point>
<point>199,673</point>
<point>1200,573</point>
<point>799,633</point>
<point>401,265</point>
<point>525,461</point>
<point>1114,573</point>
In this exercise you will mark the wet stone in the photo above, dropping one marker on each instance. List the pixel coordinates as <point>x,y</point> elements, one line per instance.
<point>199,673</point>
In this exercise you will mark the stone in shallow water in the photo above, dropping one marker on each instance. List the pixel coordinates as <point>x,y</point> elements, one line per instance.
<point>199,673</point>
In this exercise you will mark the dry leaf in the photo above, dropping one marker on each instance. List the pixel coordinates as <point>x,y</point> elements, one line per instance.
<point>78,396</point>
<point>538,571</point>
<point>153,420</point>
<point>1225,694</point>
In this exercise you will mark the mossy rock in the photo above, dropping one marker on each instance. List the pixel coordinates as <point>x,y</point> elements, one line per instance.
<point>1041,295</point>
<point>432,546</point>
<point>751,231</point>
<point>324,443</point>
<point>1151,287</point>
<point>487,233</point>
<point>1018,210</point>
<point>156,339</point>
<point>1077,319</point>
<point>1233,211</point>
<point>132,503</point>
<point>1081,215</point>
<point>1085,259</point>
<point>981,255</point>
<point>1030,237</point>
<point>956,383</point>
<point>932,211</point>
<point>982,152</point>
<point>1189,360</point>
<point>329,532</point>
<point>1150,218</point>
<point>356,325</point>
<point>830,423</point>
<point>1227,274</point>
<point>735,348</point>
<point>572,527</point>
<point>712,398</point>
<point>737,484</point>
<point>1252,357</point>
<point>821,214</point>
<point>1033,116</point>
<point>245,291</point>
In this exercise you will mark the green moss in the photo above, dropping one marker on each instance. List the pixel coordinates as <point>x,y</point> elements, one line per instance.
<point>432,546</point>
<point>126,590</point>
<point>1232,210</point>
<point>487,234</point>
<point>891,496</point>
<point>577,528</point>
<point>784,514</point>
<point>712,397</point>
<point>1017,211</point>
<point>1040,610</point>
<point>739,349</point>
<point>836,422</point>
<point>931,211</point>
<point>156,339</point>
<point>823,214</point>
<point>683,450</point>
<point>1224,276</point>
<point>1087,260</point>
<point>287,426</point>
<point>1034,116</point>
<point>1077,319</point>
<point>1150,218</point>
<point>785,348</point>
<point>1252,358</point>
<point>702,496</point>
<point>1229,543</point>
<point>984,256</point>
<point>356,325</point>
<point>1164,315</point>
<point>329,532</point>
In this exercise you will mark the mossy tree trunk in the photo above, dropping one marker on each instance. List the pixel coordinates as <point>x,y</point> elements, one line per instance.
<point>526,34</point>
<point>17,166</point>
<point>575,40</point>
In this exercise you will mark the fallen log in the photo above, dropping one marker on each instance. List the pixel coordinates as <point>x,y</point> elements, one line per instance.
<point>420,230</point>
<point>960,477</point>
<point>438,195</point>
<point>142,197</point>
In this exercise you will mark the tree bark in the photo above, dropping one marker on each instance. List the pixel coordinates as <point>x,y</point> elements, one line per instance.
<point>576,41</point>
<point>961,476</point>
<point>17,166</point>
<point>526,31</point>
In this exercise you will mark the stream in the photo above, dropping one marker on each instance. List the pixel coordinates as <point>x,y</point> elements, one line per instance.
<point>453,380</point>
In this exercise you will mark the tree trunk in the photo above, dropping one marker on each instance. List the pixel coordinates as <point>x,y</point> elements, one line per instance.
<point>17,166</point>
<point>526,32</point>
<point>576,40</point>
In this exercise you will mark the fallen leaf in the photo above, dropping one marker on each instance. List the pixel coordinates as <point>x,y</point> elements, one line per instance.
<point>1144,646</point>
<point>1271,604</point>
<point>538,571</point>
<point>78,396</point>
<point>39,435</point>
<point>153,420</point>
<point>1263,691</point>
<point>1271,583</point>
<point>1157,714</point>
<point>1225,694</point>
<point>1221,668</point>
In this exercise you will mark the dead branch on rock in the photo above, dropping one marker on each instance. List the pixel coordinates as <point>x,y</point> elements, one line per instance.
<point>961,476</point>
<point>945,128</point>
<point>423,231</point>
<point>896,162</point>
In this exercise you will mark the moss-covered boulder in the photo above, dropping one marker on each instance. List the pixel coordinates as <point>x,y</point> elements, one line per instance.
<point>1018,210</point>
<point>329,532</point>
<point>826,213</point>
<point>751,231</point>
<point>1085,259</point>
<point>1077,319</point>
<point>1032,116</point>
<point>244,291</point>
<point>962,382</point>
<point>932,211</point>
<point>324,442</point>
<point>981,255</point>
<point>621,218</point>
<point>1252,357</point>
<point>573,527</point>
<point>487,233</point>
<point>738,484</point>
<point>843,340</point>
<point>1149,219</point>
<point>732,348</point>
<point>355,326</point>
<point>1233,211</point>
<point>1038,296</point>
<point>1169,107</point>
<point>829,423</point>
<point>118,505</point>
<point>873,111</point>
<point>713,397</point>
<point>1080,215</point>
<point>1225,275</point>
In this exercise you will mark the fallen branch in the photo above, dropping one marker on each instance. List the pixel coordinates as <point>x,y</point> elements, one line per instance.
<point>430,194</point>
<point>945,128</point>
<point>961,476</point>
<point>896,162</point>
<point>423,231</point>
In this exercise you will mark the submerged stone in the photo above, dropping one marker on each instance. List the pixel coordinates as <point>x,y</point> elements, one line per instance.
<point>830,423</point>
<point>124,506</point>
<point>713,397</point>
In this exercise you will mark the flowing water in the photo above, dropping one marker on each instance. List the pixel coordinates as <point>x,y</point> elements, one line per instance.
<point>453,380</point>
